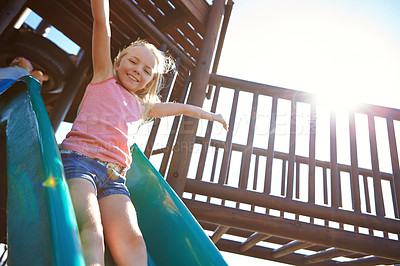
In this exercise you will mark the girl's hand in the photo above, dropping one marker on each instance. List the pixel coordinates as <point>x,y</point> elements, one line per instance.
<point>219,118</point>
<point>40,76</point>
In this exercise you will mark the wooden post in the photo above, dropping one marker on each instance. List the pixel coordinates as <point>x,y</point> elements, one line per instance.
<point>183,148</point>
<point>70,90</point>
<point>9,12</point>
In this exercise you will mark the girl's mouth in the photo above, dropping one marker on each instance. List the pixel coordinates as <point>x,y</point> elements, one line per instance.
<point>133,78</point>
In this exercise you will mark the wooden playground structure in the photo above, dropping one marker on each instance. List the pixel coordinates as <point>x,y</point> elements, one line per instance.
<point>256,201</point>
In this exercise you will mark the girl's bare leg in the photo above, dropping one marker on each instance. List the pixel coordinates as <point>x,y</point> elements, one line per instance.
<point>87,213</point>
<point>122,231</point>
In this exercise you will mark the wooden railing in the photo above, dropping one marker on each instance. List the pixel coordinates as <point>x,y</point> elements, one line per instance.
<point>332,170</point>
<point>291,163</point>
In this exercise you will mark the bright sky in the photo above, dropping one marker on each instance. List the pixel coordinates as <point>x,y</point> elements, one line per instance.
<point>321,46</point>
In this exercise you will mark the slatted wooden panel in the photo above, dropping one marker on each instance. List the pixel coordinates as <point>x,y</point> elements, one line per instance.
<point>328,183</point>
<point>182,28</point>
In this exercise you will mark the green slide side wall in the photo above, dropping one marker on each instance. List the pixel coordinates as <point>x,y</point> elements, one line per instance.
<point>41,224</point>
<point>173,236</point>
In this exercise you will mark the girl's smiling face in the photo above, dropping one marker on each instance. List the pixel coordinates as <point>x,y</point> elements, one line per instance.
<point>136,69</point>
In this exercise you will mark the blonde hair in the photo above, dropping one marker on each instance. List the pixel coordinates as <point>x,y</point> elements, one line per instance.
<point>164,64</point>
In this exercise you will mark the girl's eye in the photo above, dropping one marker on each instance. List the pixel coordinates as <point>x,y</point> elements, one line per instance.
<point>133,62</point>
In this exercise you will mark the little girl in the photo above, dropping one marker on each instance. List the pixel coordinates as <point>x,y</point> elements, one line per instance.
<point>19,67</point>
<point>96,151</point>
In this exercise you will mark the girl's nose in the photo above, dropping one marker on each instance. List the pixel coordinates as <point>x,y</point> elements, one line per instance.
<point>136,70</point>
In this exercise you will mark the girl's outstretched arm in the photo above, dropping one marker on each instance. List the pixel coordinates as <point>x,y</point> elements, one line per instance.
<point>101,38</point>
<point>170,109</point>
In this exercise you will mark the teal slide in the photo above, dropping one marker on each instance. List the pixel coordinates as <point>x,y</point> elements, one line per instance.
<point>173,236</point>
<point>42,227</point>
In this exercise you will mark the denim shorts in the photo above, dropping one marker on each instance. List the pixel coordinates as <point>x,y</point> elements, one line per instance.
<point>78,166</point>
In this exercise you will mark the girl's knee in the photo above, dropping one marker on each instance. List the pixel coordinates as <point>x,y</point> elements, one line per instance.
<point>137,242</point>
<point>139,246</point>
<point>130,248</point>
<point>91,226</point>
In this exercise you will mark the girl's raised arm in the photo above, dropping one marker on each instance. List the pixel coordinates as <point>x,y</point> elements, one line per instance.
<point>101,39</point>
<point>169,109</point>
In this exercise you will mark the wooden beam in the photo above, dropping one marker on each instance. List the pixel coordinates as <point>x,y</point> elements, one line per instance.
<point>261,253</point>
<point>9,12</point>
<point>264,89</point>
<point>66,20</point>
<point>369,260</point>
<point>325,255</point>
<point>270,225</point>
<point>290,248</point>
<point>252,241</point>
<point>219,232</point>
<point>187,135</point>
<point>70,90</point>
<point>301,208</point>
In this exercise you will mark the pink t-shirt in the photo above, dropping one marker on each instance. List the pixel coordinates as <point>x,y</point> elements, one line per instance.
<point>108,119</point>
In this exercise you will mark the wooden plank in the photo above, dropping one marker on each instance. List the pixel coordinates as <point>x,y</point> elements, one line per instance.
<point>191,34</point>
<point>292,206</point>
<point>74,27</point>
<point>335,185</point>
<point>247,154</point>
<point>228,147</point>
<point>354,174</point>
<point>180,160</point>
<point>271,143</point>
<point>174,130</point>
<point>395,166</point>
<point>311,159</point>
<point>259,252</point>
<point>255,177</point>
<point>326,255</point>
<point>165,6</point>
<point>366,194</point>
<point>252,241</point>
<point>290,248</point>
<point>197,10</point>
<point>301,159</point>
<point>379,207</point>
<point>214,167</point>
<point>275,91</point>
<point>297,179</point>
<point>345,240</point>
<point>325,185</point>
<point>218,233</point>
<point>207,138</point>
<point>184,44</point>
<point>292,152</point>
<point>170,80</point>
<point>283,177</point>
<point>9,12</point>
<point>150,9</point>
<point>243,233</point>
<point>137,17</point>
<point>369,260</point>
<point>171,21</point>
